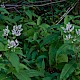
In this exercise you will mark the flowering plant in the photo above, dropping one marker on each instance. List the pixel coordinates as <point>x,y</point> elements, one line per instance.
<point>15,32</point>
<point>70,33</point>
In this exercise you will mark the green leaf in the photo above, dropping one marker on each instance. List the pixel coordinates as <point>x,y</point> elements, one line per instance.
<point>39,20</point>
<point>19,51</point>
<point>62,58</point>
<point>26,74</point>
<point>22,75</point>
<point>34,55</point>
<point>63,49</point>
<point>67,70</point>
<point>44,26</point>
<point>14,59</point>
<point>2,47</point>
<point>29,14</point>
<point>47,78</point>
<point>3,11</point>
<point>2,66</point>
<point>43,64</point>
<point>29,32</point>
<point>40,57</point>
<point>22,66</point>
<point>66,20</point>
<point>17,18</point>
<point>35,36</point>
<point>49,39</point>
<point>34,73</point>
<point>31,23</point>
<point>52,54</point>
<point>76,22</point>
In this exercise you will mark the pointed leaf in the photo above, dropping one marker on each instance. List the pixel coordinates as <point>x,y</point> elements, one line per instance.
<point>67,70</point>
<point>39,20</point>
<point>52,54</point>
<point>22,75</point>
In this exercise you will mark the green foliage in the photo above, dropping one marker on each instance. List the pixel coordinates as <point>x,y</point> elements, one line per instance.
<point>67,70</point>
<point>42,53</point>
<point>14,59</point>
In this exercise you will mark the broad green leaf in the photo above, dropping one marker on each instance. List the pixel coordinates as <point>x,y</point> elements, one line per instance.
<point>62,58</point>
<point>14,59</point>
<point>39,20</point>
<point>52,54</point>
<point>2,47</point>
<point>67,70</point>
<point>22,75</point>
<point>26,74</point>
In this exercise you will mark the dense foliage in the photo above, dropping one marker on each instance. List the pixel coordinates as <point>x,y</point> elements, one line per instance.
<point>33,47</point>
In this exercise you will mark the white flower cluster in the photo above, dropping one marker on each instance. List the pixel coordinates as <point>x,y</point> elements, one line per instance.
<point>69,28</point>
<point>15,32</point>
<point>12,43</point>
<point>2,5</point>
<point>6,31</point>
<point>69,31</point>
<point>69,36</point>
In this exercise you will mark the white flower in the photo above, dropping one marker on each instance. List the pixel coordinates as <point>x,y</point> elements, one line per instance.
<point>17,30</point>
<point>17,43</point>
<point>69,28</point>
<point>0,55</point>
<point>68,37</point>
<point>12,43</point>
<point>78,31</point>
<point>6,31</point>
<point>2,5</point>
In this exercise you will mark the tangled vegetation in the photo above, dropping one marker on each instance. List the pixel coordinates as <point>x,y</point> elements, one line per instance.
<point>39,40</point>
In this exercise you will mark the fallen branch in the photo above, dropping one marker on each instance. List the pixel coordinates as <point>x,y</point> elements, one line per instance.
<point>67,12</point>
